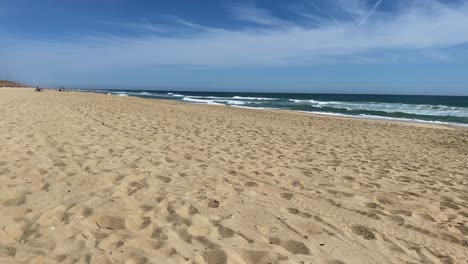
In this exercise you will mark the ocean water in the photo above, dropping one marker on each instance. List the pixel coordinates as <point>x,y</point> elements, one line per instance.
<point>434,109</point>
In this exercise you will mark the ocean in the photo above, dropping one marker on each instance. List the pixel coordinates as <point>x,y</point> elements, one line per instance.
<point>415,108</point>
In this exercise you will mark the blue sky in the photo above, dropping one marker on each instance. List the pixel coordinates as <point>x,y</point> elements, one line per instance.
<point>335,46</point>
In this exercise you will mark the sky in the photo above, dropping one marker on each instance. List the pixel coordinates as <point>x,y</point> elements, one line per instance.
<point>324,46</point>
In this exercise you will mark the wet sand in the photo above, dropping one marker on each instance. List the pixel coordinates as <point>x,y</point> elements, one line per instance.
<point>91,178</point>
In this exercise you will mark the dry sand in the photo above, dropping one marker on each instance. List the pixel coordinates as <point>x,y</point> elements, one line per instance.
<point>89,178</point>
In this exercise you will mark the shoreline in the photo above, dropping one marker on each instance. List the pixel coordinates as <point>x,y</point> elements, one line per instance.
<point>326,114</point>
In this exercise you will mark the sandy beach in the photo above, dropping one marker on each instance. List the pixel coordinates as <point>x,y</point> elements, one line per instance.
<point>93,178</point>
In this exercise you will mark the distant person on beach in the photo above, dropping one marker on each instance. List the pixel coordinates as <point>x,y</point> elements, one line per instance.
<point>38,89</point>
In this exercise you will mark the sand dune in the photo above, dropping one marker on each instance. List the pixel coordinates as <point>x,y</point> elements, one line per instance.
<point>89,178</point>
<point>9,84</point>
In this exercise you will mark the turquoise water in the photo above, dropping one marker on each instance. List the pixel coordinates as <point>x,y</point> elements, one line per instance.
<point>437,109</point>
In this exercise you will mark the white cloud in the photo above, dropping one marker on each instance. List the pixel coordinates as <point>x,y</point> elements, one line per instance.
<point>144,26</point>
<point>366,17</point>
<point>254,14</point>
<point>355,8</point>
<point>419,27</point>
<point>316,13</point>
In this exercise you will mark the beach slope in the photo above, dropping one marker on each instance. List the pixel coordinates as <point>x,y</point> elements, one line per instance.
<point>91,178</point>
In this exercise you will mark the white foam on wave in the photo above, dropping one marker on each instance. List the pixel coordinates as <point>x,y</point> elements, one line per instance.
<point>233,102</point>
<point>431,110</point>
<point>390,107</point>
<point>411,120</point>
<point>202,101</point>
<point>212,101</point>
<point>254,98</point>
<point>385,118</point>
<point>120,93</point>
<point>302,101</point>
<point>236,98</point>
<point>175,95</point>
<point>210,97</point>
<point>149,94</point>
<point>360,116</point>
<point>313,102</point>
<point>253,107</point>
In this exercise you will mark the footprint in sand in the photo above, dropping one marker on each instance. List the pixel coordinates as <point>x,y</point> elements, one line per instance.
<point>192,210</point>
<point>374,206</point>
<point>86,212</point>
<point>424,217</point>
<point>145,222</point>
<point>5,171</point>
<point>287,196</point>
<point>213,203</point>
<point>251,184</point>
<point>295,247</point>
<point>363,232</point>
<point>138,185</point>
<point>312,228</point>
<point>110,222</point>
<point>7,251</point>
<point>19,230</point>
<point>17,201</point>
<point>165,179</point>
<point>146,208</point>
<point>349,178</point>
<point>296,184</point>
<point>60,164</point>
<point>397,219</point>
<point>385,200</point>
<point>159,234</point>
<point>450,204</point>
<point>225,232</point>
<point>261,257</point>
<point>45,187</point>
<point>463,229</point>
<point>330,261</point>
<point>294,211</point>
<point>215,256</point>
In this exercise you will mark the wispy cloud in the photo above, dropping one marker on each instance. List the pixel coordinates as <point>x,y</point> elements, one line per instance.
<point>249,12</point>
<point>144,26</point>
<point>376,5</point>
<point>191,25</point>
<point>430,26</point>
<point>355,9</point>
<point>316,13</point>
